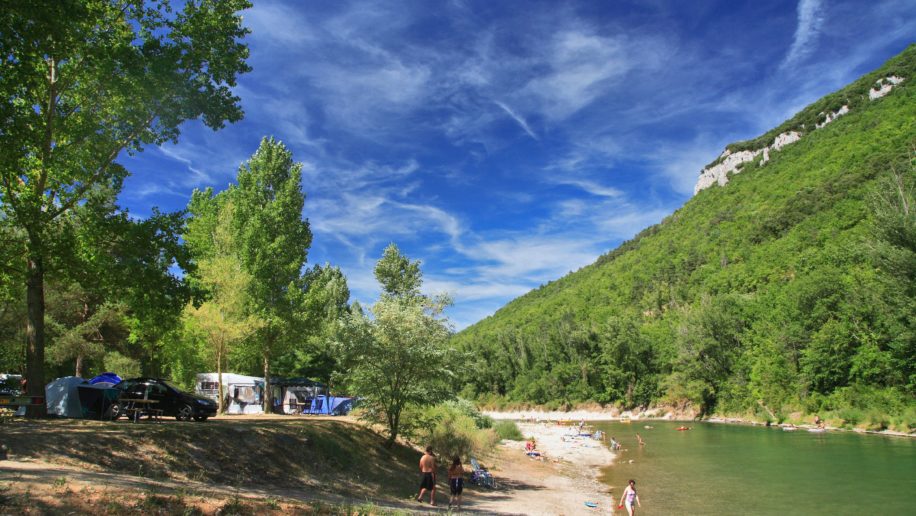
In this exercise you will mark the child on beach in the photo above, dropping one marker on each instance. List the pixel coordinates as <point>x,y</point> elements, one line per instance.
<point>456,482</point>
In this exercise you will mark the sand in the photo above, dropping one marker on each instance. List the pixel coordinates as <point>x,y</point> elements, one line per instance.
<point>561,483</point>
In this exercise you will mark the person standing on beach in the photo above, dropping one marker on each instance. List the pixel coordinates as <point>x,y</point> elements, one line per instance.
<point>630,499</point>
<point>456,482</point>
<point>428,470</point>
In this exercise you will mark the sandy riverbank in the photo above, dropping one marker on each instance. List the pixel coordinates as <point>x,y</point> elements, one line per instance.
<point>561,483</point>
<point>610,414</point>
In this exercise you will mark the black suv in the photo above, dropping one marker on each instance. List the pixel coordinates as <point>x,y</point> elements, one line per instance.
<point>171,400</point>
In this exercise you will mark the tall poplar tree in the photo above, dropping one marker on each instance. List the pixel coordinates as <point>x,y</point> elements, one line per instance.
<point>84,80</point>
<point>272,242</point>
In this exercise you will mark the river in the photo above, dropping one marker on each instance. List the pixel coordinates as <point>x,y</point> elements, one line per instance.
<point>732,469</point>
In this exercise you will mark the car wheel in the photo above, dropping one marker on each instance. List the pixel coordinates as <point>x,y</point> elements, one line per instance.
<point>184,413</point>
<point>200,419</point>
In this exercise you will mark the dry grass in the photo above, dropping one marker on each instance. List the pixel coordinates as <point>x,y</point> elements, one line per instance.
<point>295,453</point>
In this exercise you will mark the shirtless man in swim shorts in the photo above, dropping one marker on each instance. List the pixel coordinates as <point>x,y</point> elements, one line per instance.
<point>428,469</point>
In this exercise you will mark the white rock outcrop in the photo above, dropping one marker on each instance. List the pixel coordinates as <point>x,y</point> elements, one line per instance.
<point>884,86</point>
<point>833,116</point>
<point>729,162</point>
<point>785,139</point>
<point>718,173</point>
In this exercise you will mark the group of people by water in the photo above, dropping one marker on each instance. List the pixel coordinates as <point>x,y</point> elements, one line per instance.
<point>629,499</point>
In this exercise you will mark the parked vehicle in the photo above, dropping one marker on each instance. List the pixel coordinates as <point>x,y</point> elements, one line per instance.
<point>170,399</point>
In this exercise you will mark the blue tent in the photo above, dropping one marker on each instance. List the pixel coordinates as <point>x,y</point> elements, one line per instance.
<point>330,405</point>
<point>111,378</point>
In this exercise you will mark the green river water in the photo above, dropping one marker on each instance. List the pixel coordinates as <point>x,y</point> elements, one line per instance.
<point>731,469</point>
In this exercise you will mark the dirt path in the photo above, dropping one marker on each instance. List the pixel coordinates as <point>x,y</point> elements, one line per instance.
<point>38,477</point>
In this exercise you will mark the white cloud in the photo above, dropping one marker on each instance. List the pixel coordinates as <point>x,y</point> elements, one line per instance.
<point>590,187</point>
<point>580,66</point>
<point>518,119</point>
<point>277,25</point>
<point>810,20</point>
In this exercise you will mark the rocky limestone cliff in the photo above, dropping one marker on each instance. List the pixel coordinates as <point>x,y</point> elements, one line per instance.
<point>733,162</point>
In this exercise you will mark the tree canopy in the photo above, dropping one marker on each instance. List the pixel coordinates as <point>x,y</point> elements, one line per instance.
<point>398,358</point>
<point>84,81</point>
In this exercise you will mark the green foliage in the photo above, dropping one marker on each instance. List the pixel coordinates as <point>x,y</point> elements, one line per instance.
<point>82,82</point>
<point>508,430</point>
<point>397,275</point>
<point>123,366</point>
<point>791,288</point>
<point>272,242</point>
<point>452,432</point>
<point>398,358</point>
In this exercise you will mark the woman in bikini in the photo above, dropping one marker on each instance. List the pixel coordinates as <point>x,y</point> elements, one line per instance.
<point>456,482</point>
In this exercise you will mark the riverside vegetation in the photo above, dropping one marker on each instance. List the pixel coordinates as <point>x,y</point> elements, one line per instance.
<point>789,291</point>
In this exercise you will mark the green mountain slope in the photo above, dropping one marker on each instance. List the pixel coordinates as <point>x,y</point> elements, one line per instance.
<point>780,291</point>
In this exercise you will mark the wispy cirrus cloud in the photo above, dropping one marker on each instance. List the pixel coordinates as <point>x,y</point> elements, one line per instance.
<point>518,119</point>
<point>504,146</point>
<point>810,20</point>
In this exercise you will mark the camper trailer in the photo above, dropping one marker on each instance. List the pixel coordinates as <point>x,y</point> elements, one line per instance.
<point>244,394</point>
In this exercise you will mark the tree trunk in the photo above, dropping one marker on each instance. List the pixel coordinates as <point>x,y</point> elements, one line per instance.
<point>79,365</point>
<point>268,395</point>
<point>393,424</point>
<point>219,379</point>
<point>35,332</point>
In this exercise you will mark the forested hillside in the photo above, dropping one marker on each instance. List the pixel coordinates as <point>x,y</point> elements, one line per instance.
<point>791,288</point>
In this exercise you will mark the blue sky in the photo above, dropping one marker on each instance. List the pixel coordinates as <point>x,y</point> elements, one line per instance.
<point>505,144</point>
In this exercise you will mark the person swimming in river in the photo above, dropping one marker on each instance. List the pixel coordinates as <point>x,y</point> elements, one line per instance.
<point>681,428</point>
<point>639,438</point>
<point>614,444</point>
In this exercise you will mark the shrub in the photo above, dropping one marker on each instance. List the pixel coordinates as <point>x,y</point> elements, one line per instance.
<point>467,408</point>
<point>451,429</point>
<point>850,416</point>
<point>460,436</point>
<point>877,421</point>
<point>508,430</point>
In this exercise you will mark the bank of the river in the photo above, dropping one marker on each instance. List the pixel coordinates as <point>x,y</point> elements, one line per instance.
<point>612,414</point>
<point>561,481</point>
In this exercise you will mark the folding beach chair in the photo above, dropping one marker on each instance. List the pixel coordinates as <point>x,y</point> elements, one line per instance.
<point>480,476</point>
